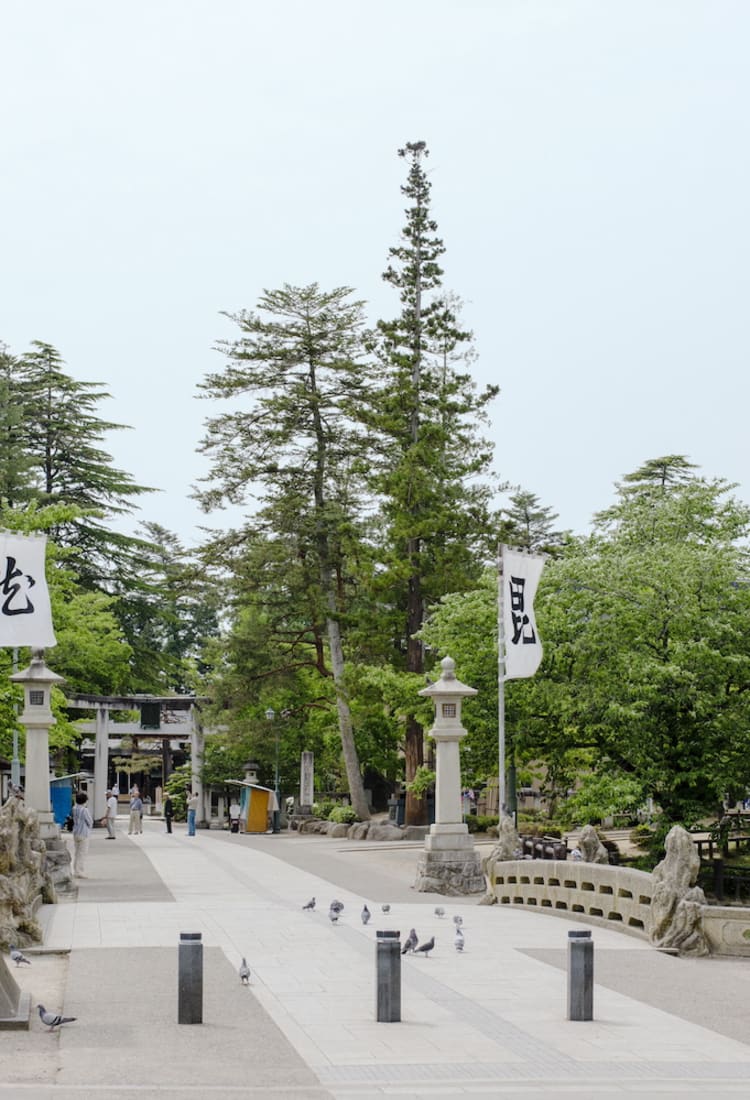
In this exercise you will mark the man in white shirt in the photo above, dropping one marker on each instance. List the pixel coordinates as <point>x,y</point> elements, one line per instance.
<point>111,814</point>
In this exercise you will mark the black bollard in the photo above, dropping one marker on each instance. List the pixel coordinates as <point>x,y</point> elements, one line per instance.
<point>580,976</point>
<point>190,979</point>
<point>388,977</point>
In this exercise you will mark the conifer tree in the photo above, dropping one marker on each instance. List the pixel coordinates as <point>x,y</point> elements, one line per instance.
<point>293,378</point>
<point>431,466</point>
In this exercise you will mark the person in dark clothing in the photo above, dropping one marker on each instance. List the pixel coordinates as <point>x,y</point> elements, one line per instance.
<point>168,812</point>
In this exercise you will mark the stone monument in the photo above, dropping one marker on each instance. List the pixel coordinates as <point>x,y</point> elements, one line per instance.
<point>306,782</point>
<point>449,864</point>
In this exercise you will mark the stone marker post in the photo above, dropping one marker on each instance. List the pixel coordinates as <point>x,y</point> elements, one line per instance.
<point>190,979</point>
<point>388,977</point>
<point>580,976</point>
<point>306,782</point>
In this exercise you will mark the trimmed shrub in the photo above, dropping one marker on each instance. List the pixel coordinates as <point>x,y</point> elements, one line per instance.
<point>342,815</point>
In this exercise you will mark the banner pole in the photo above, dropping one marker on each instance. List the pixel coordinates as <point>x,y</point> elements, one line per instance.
<point>500,686</point>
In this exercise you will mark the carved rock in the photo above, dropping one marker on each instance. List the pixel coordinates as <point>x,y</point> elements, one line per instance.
<point>25,880</point>
<point>591,847</point>
<point>508,847</point>
<point>676,915</point>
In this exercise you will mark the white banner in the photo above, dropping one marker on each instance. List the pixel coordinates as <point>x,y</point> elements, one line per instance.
<point>25,614</point>
<point>520,578</point>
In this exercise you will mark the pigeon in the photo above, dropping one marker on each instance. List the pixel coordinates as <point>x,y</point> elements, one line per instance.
<point>310,904</point>
<point>244,972</point>
<point>366,914</point>
<point>439,911</point>
<point>410,942</point>
<point>458,921</point>
<point>385,908</point>
<point>18,957</point>
<point>425,948</point>
<point>337,906</point>
<point>53,1019</point>
<point>333,915</point>
<point>458,942</point>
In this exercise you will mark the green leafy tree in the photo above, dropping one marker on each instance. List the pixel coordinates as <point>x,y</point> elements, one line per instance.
<point>431,468</point>
<point>646,631</point>
<point>169,610</point>
<point>294,376</point>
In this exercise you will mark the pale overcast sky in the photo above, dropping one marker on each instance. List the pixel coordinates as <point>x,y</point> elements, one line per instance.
<point>164,160</point>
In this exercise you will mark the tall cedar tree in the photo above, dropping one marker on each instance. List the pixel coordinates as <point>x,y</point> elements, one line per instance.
<point>16,464</point>
<point>60,441</point>
<point>430,456</point>
<point>294,448</point>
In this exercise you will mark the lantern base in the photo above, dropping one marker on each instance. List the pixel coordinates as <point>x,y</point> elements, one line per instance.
<point>449,865</point>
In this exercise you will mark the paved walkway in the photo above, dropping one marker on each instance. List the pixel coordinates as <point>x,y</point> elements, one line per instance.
<point>490,1021</point>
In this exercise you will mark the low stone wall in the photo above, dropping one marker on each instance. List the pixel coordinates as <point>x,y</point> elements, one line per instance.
<point>592,892</point>
<point>727,929</point>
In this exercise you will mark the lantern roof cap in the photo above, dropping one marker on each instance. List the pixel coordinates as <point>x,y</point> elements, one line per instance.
<point>448,684</point>
<point>37,671</point>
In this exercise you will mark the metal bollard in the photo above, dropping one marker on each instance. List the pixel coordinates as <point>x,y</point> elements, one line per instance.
<point>580,976</point>
<point>190,979</point>
<point>388,977</point>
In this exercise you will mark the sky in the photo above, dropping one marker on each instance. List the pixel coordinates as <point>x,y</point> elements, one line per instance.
<point>163,162</point>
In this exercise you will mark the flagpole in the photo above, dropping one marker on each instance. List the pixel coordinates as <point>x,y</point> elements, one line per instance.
<point>500,687</point>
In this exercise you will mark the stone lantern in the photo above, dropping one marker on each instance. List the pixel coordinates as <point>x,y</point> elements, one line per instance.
<point>449,864</point>
<point>37,681</point>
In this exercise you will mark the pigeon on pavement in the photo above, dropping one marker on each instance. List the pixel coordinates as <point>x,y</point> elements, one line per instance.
<point>244,972</point>
<point>385,908</point>
<point>333,915</point>
<point>458,942</point>
<point>337,906</point>
<point>366,914</point>
<point>439,911</point>
<point>53,1019</point>
<point>18,957</point>
<point>410,942</point>
<point>458,921</point>
<point>425,948</point>
<point>310,904</point>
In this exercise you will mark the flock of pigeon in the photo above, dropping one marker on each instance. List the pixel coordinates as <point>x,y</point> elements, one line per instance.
<point>411,946</point>
<point>51,1020</point>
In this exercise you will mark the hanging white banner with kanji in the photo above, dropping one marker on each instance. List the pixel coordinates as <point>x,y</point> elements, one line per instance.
<point>520,575</point>
<point>25,613</point>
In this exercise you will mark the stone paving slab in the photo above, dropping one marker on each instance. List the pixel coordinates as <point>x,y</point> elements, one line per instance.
<point>490,1021</point>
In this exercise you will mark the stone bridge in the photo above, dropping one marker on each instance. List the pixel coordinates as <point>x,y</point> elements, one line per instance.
<point>614,897</point>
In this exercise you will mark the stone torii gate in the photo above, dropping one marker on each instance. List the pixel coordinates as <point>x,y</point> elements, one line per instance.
<point>152,709</point>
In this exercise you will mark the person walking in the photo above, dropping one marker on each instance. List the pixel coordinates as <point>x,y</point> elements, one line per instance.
<point>136,812</point>
<point>110,815</point>
<point>168,810</point>
<point>192,807</point>
<point>83,823</point>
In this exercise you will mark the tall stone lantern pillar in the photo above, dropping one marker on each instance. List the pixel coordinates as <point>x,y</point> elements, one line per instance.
<point>449,864</point>
<point>37,681</point>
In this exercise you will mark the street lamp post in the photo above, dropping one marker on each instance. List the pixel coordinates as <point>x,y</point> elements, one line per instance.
<point>270,715</point>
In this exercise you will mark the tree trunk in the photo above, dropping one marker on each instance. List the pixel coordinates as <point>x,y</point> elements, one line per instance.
<point>351,760</point>
<point>415,812</point>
